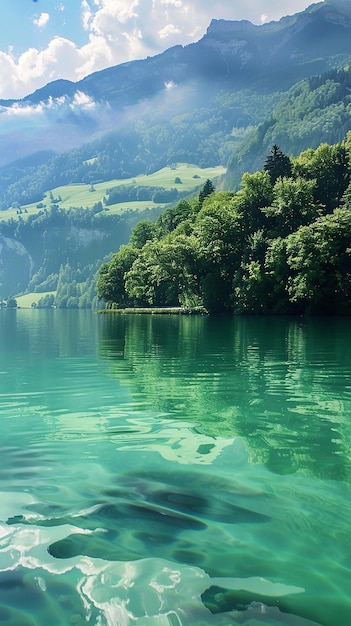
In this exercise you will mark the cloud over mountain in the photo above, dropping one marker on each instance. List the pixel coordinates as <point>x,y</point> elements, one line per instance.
<point>109,32</point>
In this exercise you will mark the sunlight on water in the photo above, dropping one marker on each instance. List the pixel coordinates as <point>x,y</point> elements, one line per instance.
<point>174,471</point>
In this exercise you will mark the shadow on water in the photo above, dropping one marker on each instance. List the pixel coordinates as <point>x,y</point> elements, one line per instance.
<point>158,517</point>
<point>146,517</point>
<point>154,517</point>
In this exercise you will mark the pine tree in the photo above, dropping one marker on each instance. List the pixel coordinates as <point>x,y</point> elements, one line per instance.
<point>206,190</point>
<point>277,164</point>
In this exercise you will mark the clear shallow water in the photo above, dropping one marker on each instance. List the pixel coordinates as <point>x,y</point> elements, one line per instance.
<point>174,471</point>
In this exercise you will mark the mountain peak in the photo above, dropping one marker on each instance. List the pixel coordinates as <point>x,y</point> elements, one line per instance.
<point>332,10</point>
<point>236,53</point>
<point>229,25</point>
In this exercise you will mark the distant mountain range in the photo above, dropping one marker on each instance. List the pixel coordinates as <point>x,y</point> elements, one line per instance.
<point>231,54</point>
<point>224,100</point>
<point>194,103</point>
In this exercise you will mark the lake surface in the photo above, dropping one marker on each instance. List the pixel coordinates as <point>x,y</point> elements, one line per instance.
<point>174,471</point>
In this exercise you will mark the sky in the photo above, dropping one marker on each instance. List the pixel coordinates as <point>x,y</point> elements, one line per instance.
<point>44,40</point>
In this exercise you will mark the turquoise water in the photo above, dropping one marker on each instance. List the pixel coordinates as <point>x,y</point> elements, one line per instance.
<point>167,471</point>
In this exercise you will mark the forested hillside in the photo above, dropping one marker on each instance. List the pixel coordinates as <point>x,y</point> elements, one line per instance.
<point>205,134</point>
<point>196,104</point>
<point>314,110</point>
<point>234,128</point>
<point>281,244</point>
<point>61,251</point>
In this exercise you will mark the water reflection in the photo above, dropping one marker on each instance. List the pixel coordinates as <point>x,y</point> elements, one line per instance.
<point>45,333</point>
<point>173,471</point>
<point>284,385</point>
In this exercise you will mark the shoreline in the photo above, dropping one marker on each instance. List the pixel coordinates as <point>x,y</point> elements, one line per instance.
<point>156,311</point>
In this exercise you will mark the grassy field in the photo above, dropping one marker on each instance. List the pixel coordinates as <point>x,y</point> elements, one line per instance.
<point>26,301</point>
<point>83,195</point>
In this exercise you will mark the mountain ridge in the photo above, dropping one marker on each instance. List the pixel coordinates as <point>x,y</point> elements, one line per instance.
<point>232,51</point>
<point>196,104</point>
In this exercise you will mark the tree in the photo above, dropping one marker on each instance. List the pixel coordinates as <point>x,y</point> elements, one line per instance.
<point>255,195</point>
<point>143,231</point>
<point>218,232</point>
<point>172,217</point>
<point>46,302</point>
<point>319,261</point>
<point>110,284</point>
<point>330,167</point>
<point>251,283</point>
<point>277,164</point>
<point>165,273</point>
<point>206,191</point>
<point>293,205</point>
<point>345,201</point>
<point>11,303</point>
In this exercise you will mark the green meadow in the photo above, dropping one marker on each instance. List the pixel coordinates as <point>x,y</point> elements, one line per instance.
<point>85,195</point>
<point>28,299</point>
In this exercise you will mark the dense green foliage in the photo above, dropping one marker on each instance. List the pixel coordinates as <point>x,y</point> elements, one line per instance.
<point>281,244</point>
<point>64,249</point>
<point>315,110</point>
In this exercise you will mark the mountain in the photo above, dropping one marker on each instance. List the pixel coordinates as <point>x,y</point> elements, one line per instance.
<point>231,56</point>
<point>199,104</point>
<point>192,103</point>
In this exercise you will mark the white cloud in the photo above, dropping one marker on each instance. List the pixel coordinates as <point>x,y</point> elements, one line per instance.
<point>111,13</point>
<point>80,101</point>
<point>168,30</point>
<point>176,3</point>
<point>42,20</point>
<point>25,74</point>
<point>95,55</point>
<point>116,31</point>
<point>86,14</point>
<point>16,110</point>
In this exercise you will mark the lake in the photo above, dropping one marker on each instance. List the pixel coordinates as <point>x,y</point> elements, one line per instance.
<point>174,470</point>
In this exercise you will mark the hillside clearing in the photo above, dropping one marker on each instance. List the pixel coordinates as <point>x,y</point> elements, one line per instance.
<point>26,301</point>
<point>81,195</point>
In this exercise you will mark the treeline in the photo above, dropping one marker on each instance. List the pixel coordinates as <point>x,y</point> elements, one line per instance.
<point>65,250</point>
<point>132,193</point>
<point>279,245</point>
<point>75,288</point>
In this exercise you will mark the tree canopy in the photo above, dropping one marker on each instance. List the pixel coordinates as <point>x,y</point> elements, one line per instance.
<point>280,244</point>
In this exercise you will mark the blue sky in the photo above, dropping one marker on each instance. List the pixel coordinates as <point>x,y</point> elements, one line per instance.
<point>43,40</point>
